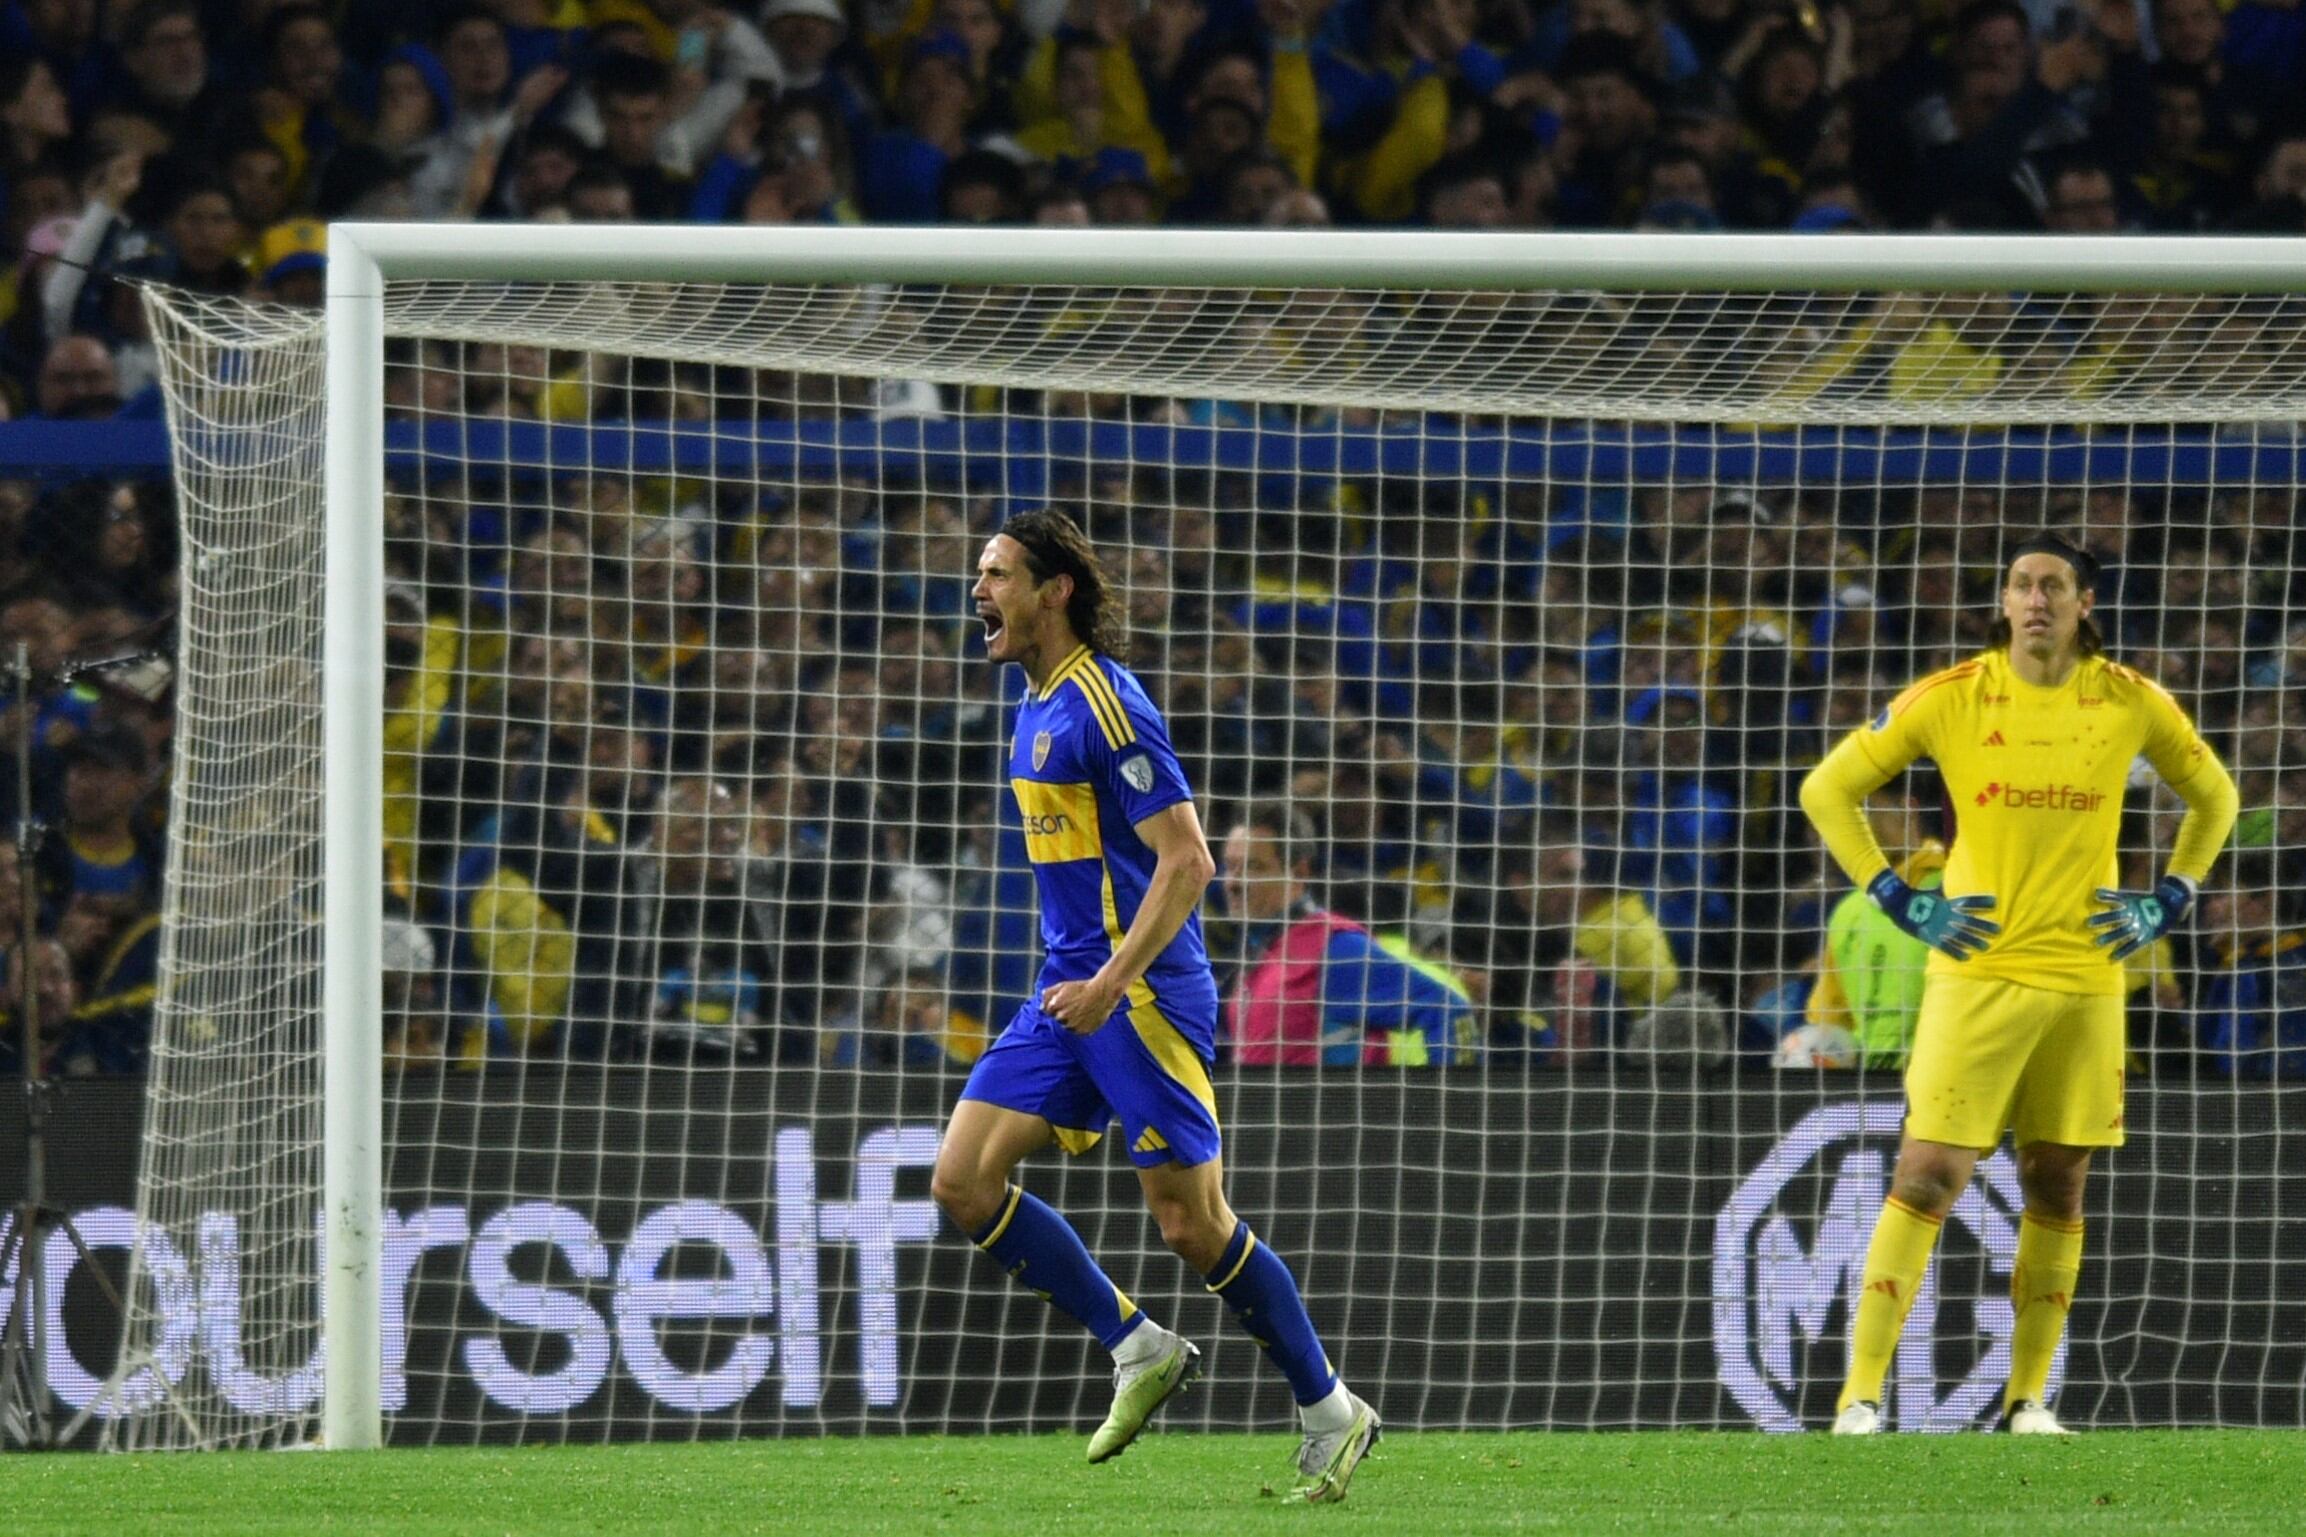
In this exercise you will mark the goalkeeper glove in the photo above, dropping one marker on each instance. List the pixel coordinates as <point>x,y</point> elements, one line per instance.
<point>2135,919</point>
<point>1950,925</point>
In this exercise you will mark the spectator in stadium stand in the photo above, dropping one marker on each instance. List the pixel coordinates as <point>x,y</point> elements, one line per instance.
<point>2279,187</point>
<point>76,382</point>
<point>255,174</point>
<point>633,93</point>
<point>301,104</point>
<point>683,87</point>
<point>1390,123</point>
<point>1609,120</point>
<point>292,263</point>
<point>414,102</point>
<point>101,857</point>
<point>2247,93</point>
<point>66,37</point>
<point>923,551</point>
<point>23,328</point>
<point>995,50</point>
<point>1120,190</point>
<point>162,48</point>
<point>1564,956</point>
<point>899,173</point>
<point>2187,180</point>
<point>35,117</point>
<point>701,969</point>
<point>114,541</point>
<point>419,1032</point>
<point>1546,711</point>
<point>1475,789</point>
<point>1677,174</point>
<point>1700,119</point>
<point>541,896</point>
<point>39,615</point>
<point>793,154</point>
<point>2008,100</point>
<point>481,111</point>
<point>1317,988</point>
<point>1787,92</point>
<point>54,989</point>
<point>1681,827</point>
<point>2252,1018</point>
<point>1097,101</point>
<point>981,186</point>
<point>1251,186</point>
<point>806,36</point>
<point>1236,71</point>
<point>1465,191</point>
<point>599,194</point>
<point>534,177</point>
<point>2082,198</point>
<point>115,953</point>
<point>1221,133</point>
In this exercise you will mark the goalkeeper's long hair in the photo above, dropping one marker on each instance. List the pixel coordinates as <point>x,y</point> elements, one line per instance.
<point>1055,546</point>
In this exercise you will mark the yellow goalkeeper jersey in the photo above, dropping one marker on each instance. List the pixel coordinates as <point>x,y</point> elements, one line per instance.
<point>2036,777</point>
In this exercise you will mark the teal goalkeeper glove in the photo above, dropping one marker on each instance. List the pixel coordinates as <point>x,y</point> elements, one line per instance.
<point>2135,919</point>
<point>1949,925</point>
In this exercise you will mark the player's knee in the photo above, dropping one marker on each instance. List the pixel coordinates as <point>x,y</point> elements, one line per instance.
<point>1929,1186</point>
<point>1194,1232</point>
<point>970,1196</point>
<point>2053,1184</point>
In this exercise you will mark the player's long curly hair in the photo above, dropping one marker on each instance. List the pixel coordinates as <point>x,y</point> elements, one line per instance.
<point>1055,546</point>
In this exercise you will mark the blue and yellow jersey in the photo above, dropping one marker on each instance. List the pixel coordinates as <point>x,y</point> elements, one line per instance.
<point>1089,761</point>
<point>122,869</point>
<point>2036,778</point>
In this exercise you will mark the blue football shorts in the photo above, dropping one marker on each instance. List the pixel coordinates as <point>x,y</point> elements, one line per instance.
<point>1142,1068</point>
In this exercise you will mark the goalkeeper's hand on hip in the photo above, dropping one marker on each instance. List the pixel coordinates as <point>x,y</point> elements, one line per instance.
<point>1949,925</point>
<point>2135,919</point>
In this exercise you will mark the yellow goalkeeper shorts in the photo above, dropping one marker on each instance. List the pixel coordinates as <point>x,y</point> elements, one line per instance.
<point>1990,1054</point>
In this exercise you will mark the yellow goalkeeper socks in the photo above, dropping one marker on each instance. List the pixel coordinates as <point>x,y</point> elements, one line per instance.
<point>2041,1293</point>
<point>1895,1260</point>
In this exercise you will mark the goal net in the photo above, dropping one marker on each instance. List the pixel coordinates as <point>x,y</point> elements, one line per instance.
<point>1502,620</point>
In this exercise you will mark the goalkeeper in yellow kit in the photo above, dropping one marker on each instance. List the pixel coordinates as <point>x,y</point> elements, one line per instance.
<point>2021,1018</point>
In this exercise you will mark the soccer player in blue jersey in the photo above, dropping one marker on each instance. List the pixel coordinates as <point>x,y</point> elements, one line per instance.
<point>1123,1024</point>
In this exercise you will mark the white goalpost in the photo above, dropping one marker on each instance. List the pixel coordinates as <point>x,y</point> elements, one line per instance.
<point>590,882</point>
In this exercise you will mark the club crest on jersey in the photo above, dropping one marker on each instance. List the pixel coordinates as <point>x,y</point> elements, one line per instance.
<point>1138,770</point>
<point>1041,741</point>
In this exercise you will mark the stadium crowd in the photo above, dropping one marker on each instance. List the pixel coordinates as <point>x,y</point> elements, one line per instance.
<point>714,774</point>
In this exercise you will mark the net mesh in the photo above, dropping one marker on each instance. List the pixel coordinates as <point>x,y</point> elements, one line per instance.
<point>704,888</point>
<point>1862,359</point>
<point>231,1155</point>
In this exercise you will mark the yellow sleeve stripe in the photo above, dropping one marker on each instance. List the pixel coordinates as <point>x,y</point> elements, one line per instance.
<point>1953,674</point>
<point>1106,705</point>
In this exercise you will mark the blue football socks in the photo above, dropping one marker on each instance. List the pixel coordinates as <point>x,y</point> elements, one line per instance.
<point>1039,1248</point>
<point>1256,1284</point>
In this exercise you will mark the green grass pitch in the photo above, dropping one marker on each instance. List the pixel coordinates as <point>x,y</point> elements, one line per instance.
<point>1423,1485</point>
